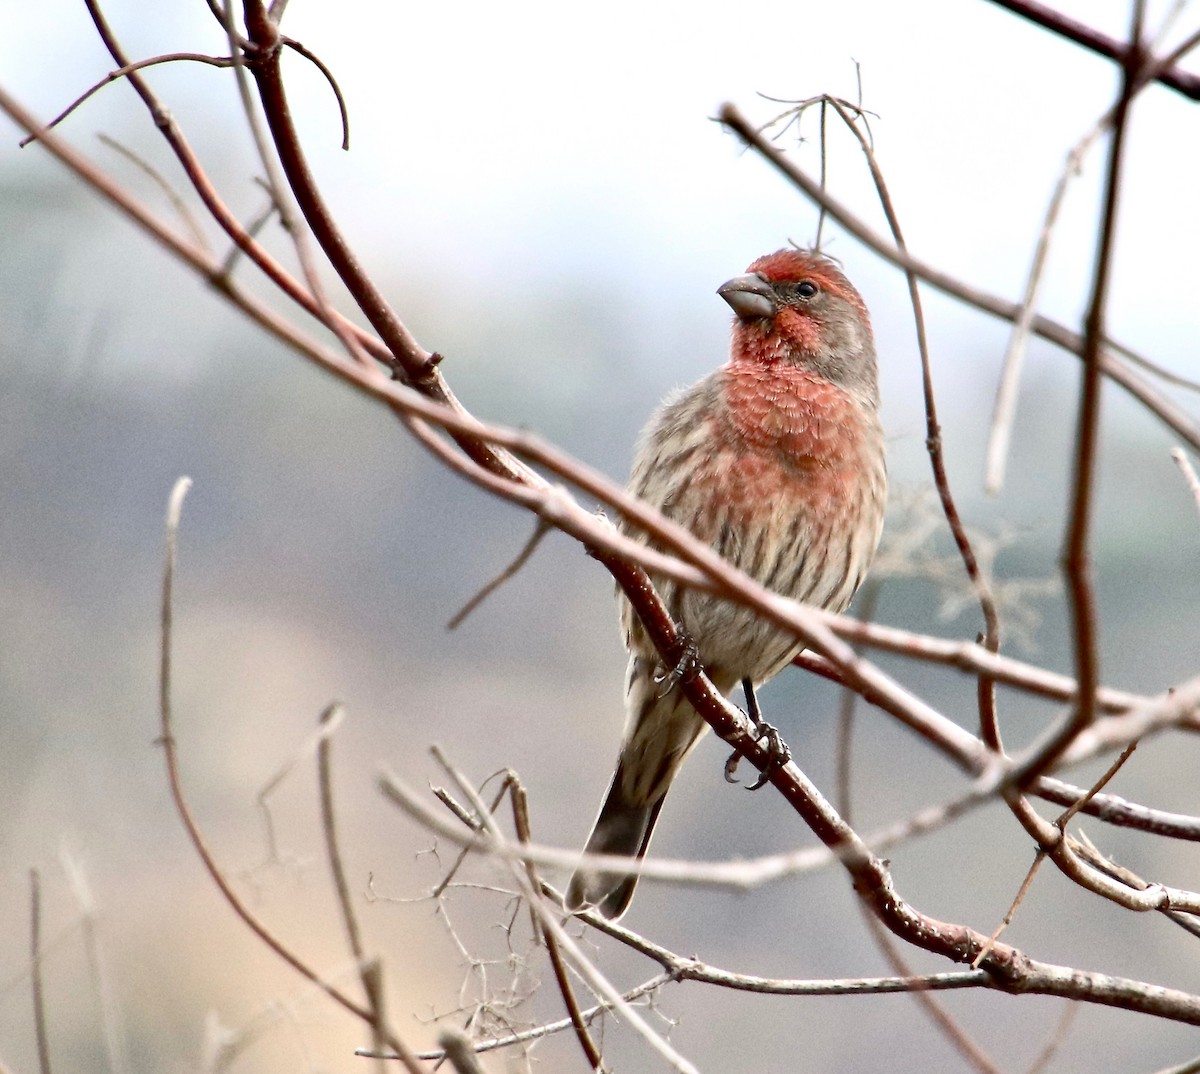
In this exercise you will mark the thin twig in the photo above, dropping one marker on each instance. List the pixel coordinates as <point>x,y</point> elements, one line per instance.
<point>1181,81</point>
<point>550,923</point>
<point>173,195</point>
<point>306,750</point>
<point>199,843</point>
<point>1164,408</point>
<point>986,686</point>
<point>1005,406</point>
<point>319,64</point>
<point>959,1039</point>
<point>473,823</point>
<point>35,972</point>
<point>370,971</point>
<point>1038,858</point>
<point>1160,371</point>
<point>509,572</point>
<point>1057,1039</point>
<point>1076,557</point>
<point>520,806</point>
<point>1189,473</point>
<point>124,72</point>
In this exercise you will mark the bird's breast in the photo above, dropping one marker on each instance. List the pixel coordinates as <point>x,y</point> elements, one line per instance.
<point>789,431</point>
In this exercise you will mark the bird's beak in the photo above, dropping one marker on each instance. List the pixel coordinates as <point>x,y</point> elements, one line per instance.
<point>750,297</point>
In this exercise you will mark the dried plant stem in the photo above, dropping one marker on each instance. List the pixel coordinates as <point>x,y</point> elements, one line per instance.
<point>41,1030</point>
<point>1076,558</point>
<point>199,843</point>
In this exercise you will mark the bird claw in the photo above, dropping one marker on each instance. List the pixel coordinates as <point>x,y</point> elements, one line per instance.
<point>731,767</point>
<point>687,665</point>
<point>778,753</point>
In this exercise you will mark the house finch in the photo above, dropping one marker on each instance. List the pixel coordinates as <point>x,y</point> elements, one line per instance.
<point>776,460</point>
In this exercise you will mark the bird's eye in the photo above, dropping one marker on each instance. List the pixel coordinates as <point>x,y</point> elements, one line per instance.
<point>806,289</point>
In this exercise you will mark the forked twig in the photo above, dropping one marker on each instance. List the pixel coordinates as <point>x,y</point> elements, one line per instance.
<point>1006,394</point>
<point>1185,82</point>
<point>1044,852</point>
<point>550,923</point>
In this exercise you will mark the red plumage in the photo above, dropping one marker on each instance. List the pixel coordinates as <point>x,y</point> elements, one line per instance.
<point>776,460</point>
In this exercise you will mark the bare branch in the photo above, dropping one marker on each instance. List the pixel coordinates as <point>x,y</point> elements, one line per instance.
<point>520,803</point>
<point>124,72</point>
<point>1076,557</point>
<point>316,61</point>
<point>550,923</point>
<point>1160,405</point>
<point>509,572</point>
<point>35,972</point>
<point>1177,79</point>
<point>199,843</point>
<point>370,971</point>
<point>1189,474</point>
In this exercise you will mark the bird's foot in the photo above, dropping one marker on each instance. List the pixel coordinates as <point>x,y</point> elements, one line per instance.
<point>686,664</point>
<point>777,749</point>
<point>778,753</point>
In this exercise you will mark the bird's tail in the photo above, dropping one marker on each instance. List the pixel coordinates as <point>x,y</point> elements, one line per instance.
<point>661,731</point>
<point>623,827</point>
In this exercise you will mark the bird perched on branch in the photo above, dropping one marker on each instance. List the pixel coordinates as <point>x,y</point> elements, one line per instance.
<point>777,461</point>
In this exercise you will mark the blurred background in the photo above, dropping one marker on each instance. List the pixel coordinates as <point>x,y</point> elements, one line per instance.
<point>543,196</point>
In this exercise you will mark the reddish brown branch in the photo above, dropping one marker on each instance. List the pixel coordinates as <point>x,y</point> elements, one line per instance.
<point>986,687</point>
<point>124,72</point>
<point>1175,78</point>
<point>319,64</point>
<point>1076,559</point>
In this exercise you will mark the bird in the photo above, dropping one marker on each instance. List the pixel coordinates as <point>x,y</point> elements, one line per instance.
<point>777,461</point>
